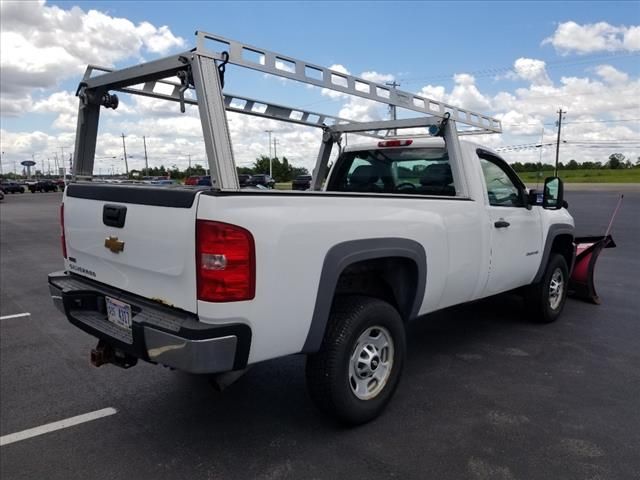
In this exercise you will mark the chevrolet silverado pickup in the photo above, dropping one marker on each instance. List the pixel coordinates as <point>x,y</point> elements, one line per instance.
<point>194,277</point>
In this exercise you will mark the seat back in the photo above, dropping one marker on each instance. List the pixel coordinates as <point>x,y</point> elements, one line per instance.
<point>363,179</point>
<point>437,180</point>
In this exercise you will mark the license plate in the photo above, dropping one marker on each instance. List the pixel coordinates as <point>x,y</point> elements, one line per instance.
<point>118,313</point>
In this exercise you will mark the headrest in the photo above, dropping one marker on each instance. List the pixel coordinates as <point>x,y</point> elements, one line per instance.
<point>364,175</point>
<point>437,174</point>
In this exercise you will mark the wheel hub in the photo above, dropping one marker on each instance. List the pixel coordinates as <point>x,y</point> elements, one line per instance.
<point>371,362</point>
<point>556,288</point>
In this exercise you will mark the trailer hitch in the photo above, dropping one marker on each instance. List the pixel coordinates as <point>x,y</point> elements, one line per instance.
<point>105,353</point>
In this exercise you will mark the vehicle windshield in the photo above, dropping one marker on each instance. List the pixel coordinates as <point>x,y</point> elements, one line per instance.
<point>420,171</point>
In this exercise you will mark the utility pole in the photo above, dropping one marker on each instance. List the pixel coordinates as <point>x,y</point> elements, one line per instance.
<point>560,112</point>
<point>124,149</point>
<point>275,149</point>
<point>146,160</point>
<point>189,164</point>
<point>392,108</point>
<point>270,161</point>
<point>1,163</point>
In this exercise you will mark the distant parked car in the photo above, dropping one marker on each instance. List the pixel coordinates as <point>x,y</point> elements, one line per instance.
<point>192,180</point>
<point>11,187</point>
<point>262,179</point>
<point>43,186</point>
<point>206,180</point>
<point>1,195</point>
<point>244,179</point>
<point>301,182</point>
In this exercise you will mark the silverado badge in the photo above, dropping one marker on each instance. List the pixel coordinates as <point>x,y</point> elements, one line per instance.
<point>113,244</point>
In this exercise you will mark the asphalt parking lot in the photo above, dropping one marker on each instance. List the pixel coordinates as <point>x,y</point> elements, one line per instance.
<point>485,394</point>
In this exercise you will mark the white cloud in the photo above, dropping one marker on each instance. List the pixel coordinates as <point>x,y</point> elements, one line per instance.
<point>43,45</point>
<point>434,92</point>
<point>531,70</point>
<point>571,37</point>
<point>465,94</point>
<point>612,75</point>
<point>377,77</point>
<point>528,111</point>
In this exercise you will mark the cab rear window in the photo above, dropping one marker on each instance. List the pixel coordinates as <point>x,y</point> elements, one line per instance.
<point>420,171</point>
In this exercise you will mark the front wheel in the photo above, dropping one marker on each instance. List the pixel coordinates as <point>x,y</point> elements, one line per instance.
<point>357,369</point>
<point>545,300</point>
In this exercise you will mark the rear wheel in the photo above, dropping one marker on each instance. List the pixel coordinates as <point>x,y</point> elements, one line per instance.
<point>358,367</point>
<point>545,300</point>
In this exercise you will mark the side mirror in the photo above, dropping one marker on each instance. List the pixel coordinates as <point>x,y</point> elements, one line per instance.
<point>553,196</point>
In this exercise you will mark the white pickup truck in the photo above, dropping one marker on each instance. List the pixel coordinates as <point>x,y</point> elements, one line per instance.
<point>212,280</point>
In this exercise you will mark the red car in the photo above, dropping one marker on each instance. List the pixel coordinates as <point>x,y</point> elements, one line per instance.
<point>192,180</point>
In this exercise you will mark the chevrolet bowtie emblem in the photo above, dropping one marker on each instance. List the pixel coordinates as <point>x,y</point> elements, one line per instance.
<point>113,244</point>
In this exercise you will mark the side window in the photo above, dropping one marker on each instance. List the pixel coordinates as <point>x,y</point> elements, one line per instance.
<point>501,190</point>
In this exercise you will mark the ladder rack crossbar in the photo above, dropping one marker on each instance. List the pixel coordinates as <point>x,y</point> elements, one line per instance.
<point>277,64</point>
<point>234,103</point>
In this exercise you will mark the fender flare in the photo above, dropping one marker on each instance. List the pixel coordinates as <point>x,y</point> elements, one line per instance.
<point>342,255</point>
<point>552,233</point>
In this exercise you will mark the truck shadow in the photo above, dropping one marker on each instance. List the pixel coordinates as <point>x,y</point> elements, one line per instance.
<point>460,363</point>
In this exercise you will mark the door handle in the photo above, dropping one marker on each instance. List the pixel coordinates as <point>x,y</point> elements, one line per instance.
<point>501,224</point>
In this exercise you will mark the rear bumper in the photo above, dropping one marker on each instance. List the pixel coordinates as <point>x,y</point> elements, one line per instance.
<point>159,334</point>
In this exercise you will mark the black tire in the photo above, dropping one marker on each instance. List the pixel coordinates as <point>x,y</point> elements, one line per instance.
<point>329,380</point>
<point>542,306</point>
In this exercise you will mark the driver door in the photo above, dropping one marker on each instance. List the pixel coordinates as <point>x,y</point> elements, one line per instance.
<point>516,234</point>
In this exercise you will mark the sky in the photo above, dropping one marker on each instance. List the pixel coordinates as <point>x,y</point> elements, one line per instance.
<point>517,61</point>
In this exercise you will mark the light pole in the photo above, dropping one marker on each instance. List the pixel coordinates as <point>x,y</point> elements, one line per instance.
<point>146,160</point>
<point>270,161</point>
<point>124,149</point>
<point>559,123</point>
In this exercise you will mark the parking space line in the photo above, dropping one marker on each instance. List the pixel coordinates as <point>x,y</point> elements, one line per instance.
<point>52,427</point>
<point>17,315</point>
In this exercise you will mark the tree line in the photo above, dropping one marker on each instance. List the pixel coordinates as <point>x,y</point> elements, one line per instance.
<point>616,161</point>
<point>282,170</point>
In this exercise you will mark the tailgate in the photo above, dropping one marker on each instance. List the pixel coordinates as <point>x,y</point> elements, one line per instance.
<point>140,239</point>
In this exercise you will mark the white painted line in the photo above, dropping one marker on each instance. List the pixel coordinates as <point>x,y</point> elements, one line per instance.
<point>52,427</point>
<point>17,315</point>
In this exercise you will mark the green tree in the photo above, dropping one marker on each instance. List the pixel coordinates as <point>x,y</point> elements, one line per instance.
<point>572,165</point>
<point>616,160</point>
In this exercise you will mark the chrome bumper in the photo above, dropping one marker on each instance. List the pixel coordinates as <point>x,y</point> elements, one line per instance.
<point>159,334</point>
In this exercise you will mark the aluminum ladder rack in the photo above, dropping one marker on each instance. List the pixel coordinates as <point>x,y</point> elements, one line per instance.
<point>202,69</point>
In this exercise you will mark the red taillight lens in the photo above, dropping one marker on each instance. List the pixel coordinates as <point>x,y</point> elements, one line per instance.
<point>62,238</point>
<point>226,262</point>
<point>395,143</point>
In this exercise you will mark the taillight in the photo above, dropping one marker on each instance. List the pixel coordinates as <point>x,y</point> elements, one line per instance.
<point>395,143</point>
<point>226,262</point>
<point>62,238</point>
